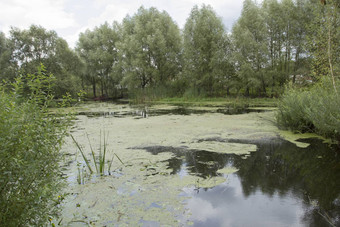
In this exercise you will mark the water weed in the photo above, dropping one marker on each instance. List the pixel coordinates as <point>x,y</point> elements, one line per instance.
<point>99,161</point>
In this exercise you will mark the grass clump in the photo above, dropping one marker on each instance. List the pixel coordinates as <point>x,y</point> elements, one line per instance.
<point>99,160</point>
<point>30,141</point>
<point>311,110</point>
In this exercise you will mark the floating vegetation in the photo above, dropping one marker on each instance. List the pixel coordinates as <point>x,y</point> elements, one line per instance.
<point>189,169</point>
<point>227,170</point>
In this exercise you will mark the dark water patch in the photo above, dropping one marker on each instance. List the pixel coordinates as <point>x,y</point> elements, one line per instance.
<point>196,162</point>
<point>259,142</point>
<point>177,111</point>
<point>182,110</point>
<point>144,113</point>
<point>234,111</point>
<point>279,184</point>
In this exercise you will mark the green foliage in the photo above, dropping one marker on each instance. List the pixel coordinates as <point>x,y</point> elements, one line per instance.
<point>286,23</point>
<point>151,49</point>
<point>315,110</point>
<point>324,38</point>
<point>150,94</point>
<point>291,113</point>
<point>270,44</point>
<point>30,141</point>
<point>7,66</point>
<point>35,46</point>
<point>98,50</point>
<point>206,48</point>
<point>250,43</point>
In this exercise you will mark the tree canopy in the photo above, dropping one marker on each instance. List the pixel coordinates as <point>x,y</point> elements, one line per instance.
<point>150,49</point>
<point>35,46</point>
<point>270,44</point>
<point>205,50</point>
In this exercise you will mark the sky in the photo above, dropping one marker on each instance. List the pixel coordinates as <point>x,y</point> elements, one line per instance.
<point>71,17</point>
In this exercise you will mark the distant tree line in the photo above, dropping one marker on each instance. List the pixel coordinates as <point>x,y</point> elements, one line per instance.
<point>269,45</point>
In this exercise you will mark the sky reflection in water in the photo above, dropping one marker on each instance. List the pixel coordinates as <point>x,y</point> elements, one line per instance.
<point>278,185</point>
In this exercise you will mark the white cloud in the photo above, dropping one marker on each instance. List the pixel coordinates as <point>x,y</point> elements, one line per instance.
<point>113,12</point>
<point>47,13</point>
<point>70,17</point>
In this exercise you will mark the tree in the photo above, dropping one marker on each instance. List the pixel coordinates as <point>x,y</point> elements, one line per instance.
<point>7,66</point>
<point>37,46</point>
<point>249,36</point>
<point>98,50</point>
<point>32,47</point>
<point>286,23</point>
<point>273,16</point>
<point>150,49</point>
<point>324,40</point>
<point>67,67</point>
<point>206,48</point>
<point>301,19</point>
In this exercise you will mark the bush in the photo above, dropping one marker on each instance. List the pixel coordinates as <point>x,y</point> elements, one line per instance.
<point>315,110</point>
<point>291,110</point>
<point>30,141</point>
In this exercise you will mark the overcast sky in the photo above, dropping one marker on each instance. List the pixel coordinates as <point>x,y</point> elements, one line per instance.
<point>70,17</point>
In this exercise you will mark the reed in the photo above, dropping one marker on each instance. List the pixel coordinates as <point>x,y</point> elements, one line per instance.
<point>99,161</point>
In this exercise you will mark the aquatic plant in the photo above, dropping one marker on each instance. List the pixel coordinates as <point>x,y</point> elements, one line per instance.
<point>100,160</point>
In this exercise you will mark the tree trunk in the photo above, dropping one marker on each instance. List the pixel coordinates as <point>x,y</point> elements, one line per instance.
<point>247,92</point>
<point>330,54</point>
<point>94,88</point>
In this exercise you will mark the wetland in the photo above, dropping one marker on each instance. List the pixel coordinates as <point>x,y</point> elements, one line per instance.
<point>197,166</point>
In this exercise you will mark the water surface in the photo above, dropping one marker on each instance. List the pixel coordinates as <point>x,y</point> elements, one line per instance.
<point>278,185</point>
<point>172,174</point>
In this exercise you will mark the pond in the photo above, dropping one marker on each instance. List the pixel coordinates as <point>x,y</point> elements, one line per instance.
<point>197,166</point>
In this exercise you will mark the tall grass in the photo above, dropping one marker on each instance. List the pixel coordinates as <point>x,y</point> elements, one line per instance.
<point>99,161</point>
<point>311,110</point>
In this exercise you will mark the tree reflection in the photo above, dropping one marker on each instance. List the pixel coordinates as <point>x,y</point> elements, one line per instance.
<point>278,167</point>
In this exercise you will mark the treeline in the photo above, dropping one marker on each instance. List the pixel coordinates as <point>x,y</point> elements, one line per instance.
<point>269,45</point>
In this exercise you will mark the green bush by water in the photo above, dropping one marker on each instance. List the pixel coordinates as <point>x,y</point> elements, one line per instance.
<point>30,141</point>
<point>311,110</point>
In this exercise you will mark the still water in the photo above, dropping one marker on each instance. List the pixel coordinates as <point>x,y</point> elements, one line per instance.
<point>279,184</point>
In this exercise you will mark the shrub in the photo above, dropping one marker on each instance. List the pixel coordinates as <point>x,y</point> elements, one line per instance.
<point>30,141</point>
<point>316,109</point>
<point>291,110</point>
<point>324,111</point>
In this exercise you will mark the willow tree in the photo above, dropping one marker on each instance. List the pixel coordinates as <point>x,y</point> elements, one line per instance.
<point>150,49</point>
<point>205,52</point>
<point>35,46</point>
<point>325,39</point>
<point>7,66</point>
<point>249,36</point>
<point>286,23</point>
<point>98,50</point>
